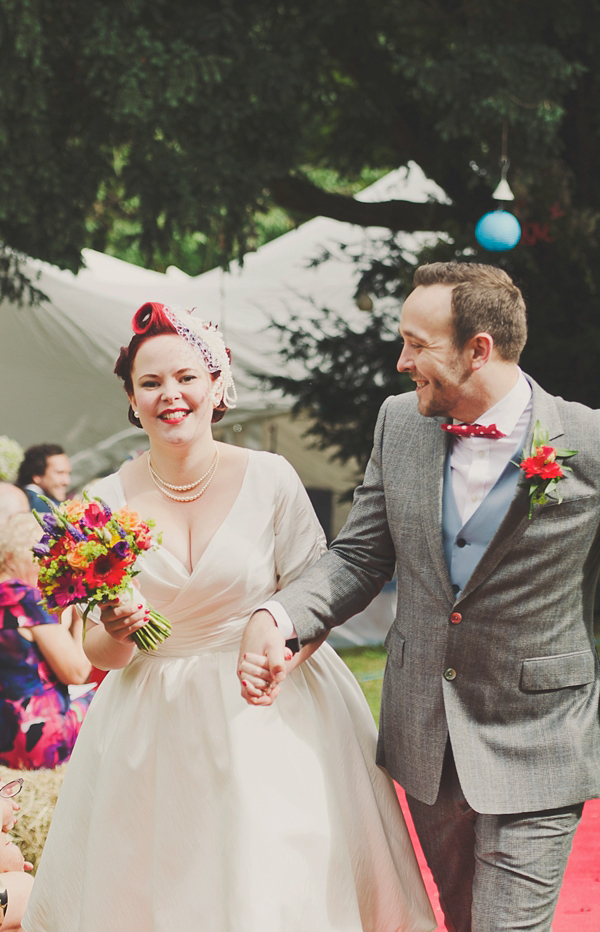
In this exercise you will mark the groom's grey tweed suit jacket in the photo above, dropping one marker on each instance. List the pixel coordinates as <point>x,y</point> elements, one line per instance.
<point>523,709</point>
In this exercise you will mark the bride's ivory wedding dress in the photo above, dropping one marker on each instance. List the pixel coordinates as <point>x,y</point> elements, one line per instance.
<point>183,808</point>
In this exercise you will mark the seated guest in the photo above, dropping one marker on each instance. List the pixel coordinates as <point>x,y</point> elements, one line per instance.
<point>8,807</point>
<point>45,469</point>
<point>13,501</point>
<point>15,886</point>
<point>39,656</point>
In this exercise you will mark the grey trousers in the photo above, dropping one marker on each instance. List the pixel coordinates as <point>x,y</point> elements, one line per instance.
<point>494,873</point>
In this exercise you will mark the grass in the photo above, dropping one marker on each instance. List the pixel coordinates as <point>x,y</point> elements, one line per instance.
<point>367,664</point>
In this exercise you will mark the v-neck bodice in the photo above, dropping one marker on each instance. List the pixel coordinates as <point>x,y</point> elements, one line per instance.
<point>211,542</point>
<point>241,566</point>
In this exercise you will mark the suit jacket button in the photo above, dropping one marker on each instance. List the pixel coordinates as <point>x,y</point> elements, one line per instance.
<point>455,618</point>
<point>461,542</point>
<point>449,674</point>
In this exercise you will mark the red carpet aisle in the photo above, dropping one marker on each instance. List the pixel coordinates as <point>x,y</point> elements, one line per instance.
<point>579,904</point>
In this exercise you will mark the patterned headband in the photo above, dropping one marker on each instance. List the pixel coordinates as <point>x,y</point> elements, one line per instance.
<point>208,342</point>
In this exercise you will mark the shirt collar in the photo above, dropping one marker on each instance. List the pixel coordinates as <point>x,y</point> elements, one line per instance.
<point>505,413</point>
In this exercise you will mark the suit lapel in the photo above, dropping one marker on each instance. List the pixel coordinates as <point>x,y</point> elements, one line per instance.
<point>431,467</point>
<point>516,520</point>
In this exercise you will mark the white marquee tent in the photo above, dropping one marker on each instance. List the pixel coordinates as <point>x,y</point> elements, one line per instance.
<point>56,359</point>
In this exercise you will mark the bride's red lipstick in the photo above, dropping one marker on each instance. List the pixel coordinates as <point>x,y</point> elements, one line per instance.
<point>174,419</point>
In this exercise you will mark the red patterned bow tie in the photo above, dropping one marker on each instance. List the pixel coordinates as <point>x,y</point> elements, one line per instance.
<point>473,430</point>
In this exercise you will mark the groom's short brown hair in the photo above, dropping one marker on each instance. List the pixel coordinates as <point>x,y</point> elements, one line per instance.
<point>484,299</point>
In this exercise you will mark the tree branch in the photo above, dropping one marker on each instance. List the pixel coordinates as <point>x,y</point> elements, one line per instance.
<point>301,196</point>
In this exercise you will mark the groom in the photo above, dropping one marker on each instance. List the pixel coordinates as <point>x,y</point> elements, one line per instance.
<point>490,704</point>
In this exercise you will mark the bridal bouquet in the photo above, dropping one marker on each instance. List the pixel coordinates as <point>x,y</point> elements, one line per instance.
<point>87,556</point>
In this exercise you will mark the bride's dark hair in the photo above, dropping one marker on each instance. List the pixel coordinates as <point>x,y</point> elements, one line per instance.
<point>149,321</point>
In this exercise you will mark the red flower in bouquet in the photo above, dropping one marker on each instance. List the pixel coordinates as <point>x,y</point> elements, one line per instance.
<point>542,469</point>
<point>106,570</point>
<point>59,548</point>
<point>70,589</point>
<point>95,515</point>
<point>143,539</point>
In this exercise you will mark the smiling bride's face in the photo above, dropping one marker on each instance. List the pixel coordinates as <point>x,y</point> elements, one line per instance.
<point>172,390</point>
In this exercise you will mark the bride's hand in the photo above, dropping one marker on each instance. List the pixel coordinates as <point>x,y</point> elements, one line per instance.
<point>122,619</point>
<point>256,678</point>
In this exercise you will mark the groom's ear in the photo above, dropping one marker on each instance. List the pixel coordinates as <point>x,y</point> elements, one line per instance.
<point>480,349</point>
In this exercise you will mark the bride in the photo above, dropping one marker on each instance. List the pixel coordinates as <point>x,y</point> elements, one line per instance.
<point>160,823</point>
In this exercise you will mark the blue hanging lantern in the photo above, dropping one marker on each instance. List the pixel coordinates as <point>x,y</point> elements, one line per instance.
<point>498,231</point>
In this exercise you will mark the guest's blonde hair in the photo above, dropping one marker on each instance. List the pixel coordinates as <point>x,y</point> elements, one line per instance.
<point>17,536</point>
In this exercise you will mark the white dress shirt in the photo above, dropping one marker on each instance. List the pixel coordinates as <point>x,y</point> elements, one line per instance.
<point>476,463</point>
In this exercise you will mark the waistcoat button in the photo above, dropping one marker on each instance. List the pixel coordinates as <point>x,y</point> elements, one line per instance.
<point>449,674</point>
<point>455,618</point>
<point>461,542</point>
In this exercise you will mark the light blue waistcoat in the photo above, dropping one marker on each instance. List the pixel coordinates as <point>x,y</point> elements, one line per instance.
<point>464,545</point>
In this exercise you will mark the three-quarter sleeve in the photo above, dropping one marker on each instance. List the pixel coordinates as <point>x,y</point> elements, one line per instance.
<point>299,538</point>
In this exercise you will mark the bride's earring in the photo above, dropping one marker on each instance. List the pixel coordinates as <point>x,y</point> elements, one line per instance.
<point>136,414</point>
<point>217,392</point>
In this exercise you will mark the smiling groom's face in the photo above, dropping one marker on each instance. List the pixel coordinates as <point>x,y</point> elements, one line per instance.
<point>439,370</point>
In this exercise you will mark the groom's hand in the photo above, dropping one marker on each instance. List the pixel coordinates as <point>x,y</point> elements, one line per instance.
<point>262,639</point>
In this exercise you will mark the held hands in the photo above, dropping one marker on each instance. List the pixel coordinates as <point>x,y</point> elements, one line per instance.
<point>258,685</point>
<point>263,660</point>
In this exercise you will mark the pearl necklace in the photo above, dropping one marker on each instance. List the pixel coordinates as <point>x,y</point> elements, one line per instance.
<point>210,473</point>
<point>182,488</point>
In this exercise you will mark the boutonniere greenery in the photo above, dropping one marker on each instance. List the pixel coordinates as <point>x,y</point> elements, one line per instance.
<point>542,469</point>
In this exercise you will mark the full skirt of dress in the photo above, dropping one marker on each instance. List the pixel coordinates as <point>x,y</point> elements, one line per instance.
<point>184,808</point>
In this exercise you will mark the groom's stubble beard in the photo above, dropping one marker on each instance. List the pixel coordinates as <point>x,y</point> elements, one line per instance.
<point>445,394</point>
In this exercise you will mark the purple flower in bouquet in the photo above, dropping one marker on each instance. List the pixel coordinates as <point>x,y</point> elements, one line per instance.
<point>51,525</point>
<point>75,532</point>
<point>121,548</point>
<point>41,549</point>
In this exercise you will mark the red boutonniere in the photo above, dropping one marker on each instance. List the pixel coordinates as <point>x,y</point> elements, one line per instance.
<point>542,469</point>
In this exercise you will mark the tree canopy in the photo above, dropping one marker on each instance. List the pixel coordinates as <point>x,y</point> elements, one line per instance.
<point>186,119</point>
<point>198,114</point>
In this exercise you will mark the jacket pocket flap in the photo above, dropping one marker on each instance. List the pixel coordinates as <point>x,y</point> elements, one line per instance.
<point>558,672</point>
<point>394,645</point>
